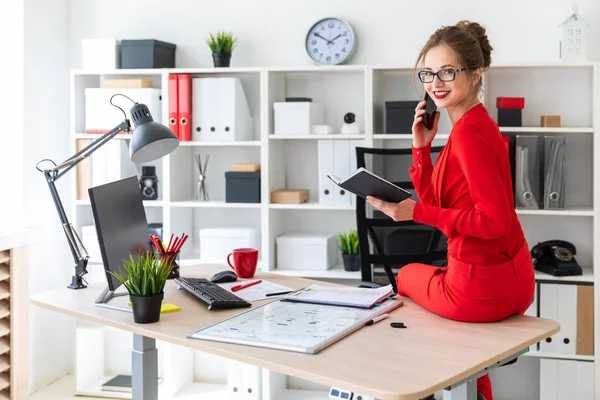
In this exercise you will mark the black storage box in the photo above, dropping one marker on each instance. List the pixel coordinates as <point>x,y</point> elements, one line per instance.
<point>147,54</point>
<point>242,187</point>
<point>509,117</point>
<point>399,116</point>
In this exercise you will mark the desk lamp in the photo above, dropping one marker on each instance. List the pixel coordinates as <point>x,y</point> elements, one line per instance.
<point>150,141</point>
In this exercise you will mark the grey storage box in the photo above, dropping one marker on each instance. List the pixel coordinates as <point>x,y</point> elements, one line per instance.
<point>147,54</point>
<point>510,117</point>
<point>242,187</point>
<point>399,116</point>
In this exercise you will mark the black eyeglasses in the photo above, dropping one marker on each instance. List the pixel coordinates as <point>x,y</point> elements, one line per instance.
<point>445,75</point>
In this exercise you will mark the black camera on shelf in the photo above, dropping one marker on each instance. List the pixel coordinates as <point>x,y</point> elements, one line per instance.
<point>149,183</point>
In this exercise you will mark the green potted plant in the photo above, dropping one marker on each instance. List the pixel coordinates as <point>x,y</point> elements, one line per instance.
<point>348,245</point>
<point>144,276</point>
<point>222,45</point>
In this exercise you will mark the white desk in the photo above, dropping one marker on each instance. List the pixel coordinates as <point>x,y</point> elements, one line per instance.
<point>431,354</point>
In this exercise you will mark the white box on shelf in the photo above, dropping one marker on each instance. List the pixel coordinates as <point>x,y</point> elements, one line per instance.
<point>297,117</point>
<point>101,116</point>
<point>306,251</point>
<point>100,54</point>
<point>220,110</point>
<point>217,243</point>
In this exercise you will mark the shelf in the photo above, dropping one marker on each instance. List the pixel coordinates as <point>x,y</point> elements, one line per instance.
<point>333,136</point>
<point>586,277</point>
<point>212,204</point>
<point>337,272</point>
<point>406,136</point>
<point>312,206</point>
<point>537,129</point>
<point>145,71</point>
<point>147,203</point>
<point>574,212</point>
<point>240,143</point>
<point>558,356</point>
<point>229,70</point>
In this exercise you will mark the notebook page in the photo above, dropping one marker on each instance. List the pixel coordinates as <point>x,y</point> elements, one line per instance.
<point>343,295</point>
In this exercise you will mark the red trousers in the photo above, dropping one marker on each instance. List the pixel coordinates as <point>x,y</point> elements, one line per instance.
<point>472,293</point>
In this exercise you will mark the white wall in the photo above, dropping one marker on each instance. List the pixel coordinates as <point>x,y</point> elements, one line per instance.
<point>389,32</point>
<point>11,111</point>
<point>46,126</point>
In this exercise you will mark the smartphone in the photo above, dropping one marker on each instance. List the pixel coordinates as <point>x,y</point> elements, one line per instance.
<point>430,109</point>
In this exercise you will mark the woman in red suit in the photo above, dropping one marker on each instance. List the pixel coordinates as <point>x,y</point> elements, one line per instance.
<point>467,195</point>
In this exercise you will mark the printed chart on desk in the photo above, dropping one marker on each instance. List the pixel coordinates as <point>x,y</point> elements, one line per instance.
<point>299,327</point>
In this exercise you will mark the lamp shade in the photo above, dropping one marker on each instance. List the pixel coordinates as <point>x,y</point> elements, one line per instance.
<point>150,140</point>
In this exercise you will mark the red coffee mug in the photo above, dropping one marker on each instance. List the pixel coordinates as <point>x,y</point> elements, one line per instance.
<point>244,262</point>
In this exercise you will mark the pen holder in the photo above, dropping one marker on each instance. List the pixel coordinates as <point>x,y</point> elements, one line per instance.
<point>171,258</point>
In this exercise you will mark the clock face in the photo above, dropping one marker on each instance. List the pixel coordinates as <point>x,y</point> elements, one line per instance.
<point>330,41</point>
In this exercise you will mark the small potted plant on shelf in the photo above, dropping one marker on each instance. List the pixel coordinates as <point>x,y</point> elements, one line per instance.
<point>348,244</point>
<point>144,277</point>
<point>222,45</point>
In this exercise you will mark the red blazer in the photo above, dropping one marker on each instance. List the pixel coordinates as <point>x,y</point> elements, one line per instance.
<point>468,195</point>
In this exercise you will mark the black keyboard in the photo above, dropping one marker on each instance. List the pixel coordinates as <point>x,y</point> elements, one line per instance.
<point>212,294</point>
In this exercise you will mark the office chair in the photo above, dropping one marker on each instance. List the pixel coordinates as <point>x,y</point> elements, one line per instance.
<point>383,242</point>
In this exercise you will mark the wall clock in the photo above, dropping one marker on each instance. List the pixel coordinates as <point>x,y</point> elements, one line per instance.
<point>330,41</point>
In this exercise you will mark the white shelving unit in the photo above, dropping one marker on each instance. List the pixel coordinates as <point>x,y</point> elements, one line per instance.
<point>566,89</point>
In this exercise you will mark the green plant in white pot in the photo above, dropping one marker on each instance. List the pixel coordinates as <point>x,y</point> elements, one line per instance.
<point>144,276</point>
<point>348,245</point>
<point>222,45</point>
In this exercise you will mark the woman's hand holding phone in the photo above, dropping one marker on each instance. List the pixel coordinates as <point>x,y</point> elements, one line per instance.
<point>421,135</point>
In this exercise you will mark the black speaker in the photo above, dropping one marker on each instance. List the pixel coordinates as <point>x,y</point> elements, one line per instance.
<point>149,183</point>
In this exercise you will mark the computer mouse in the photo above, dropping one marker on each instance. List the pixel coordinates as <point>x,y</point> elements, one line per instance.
<point>224,276</point>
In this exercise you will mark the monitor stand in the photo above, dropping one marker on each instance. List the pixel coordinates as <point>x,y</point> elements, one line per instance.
<point>106,295</point>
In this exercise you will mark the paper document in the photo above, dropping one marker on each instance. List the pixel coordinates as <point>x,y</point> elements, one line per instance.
<point>341,296</point>
<point>257,292</point>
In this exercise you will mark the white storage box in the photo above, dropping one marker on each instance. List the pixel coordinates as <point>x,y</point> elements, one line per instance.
<point>90,241</point>
<point>100,53</point>
<point>217,243</point>
<point>101,116</point>
<point>302,251</point>
<point>297,118</point>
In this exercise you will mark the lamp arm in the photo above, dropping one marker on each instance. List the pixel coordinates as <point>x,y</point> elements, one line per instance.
<point>76,158</point>
<point>78,251</point>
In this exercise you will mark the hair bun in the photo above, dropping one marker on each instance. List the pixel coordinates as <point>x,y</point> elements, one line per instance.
<point>480,34</point>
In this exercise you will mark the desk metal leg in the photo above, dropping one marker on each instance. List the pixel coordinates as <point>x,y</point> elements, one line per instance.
<point>144,363</point>
<point>465,391</point>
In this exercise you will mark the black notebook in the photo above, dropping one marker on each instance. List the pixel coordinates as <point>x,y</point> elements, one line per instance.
<point>364,183</point>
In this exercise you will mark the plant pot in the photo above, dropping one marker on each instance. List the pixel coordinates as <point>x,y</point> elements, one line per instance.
<point>351,262</point>
<point>221,59</point>
<point>146,309</point>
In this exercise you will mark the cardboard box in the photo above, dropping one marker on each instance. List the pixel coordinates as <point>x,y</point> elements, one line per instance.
<point>550,121</point>
<point>245,167</point>
<point>126,83</point>
<point>289,196</point>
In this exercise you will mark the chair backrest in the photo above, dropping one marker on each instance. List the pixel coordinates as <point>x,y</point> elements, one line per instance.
<point>383,243</point>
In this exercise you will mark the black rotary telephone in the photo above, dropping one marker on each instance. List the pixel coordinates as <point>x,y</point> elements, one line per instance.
<point>555,257</point>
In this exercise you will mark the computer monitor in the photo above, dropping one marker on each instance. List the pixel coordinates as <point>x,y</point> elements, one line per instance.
<point>121,227</point>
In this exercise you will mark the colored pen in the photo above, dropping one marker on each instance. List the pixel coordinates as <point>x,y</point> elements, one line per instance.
<point>244,286</point>
<point>280,293</point>
<point>377,319</point>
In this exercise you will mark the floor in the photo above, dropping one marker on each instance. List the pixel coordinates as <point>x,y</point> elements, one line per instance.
<point>59,390</point>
